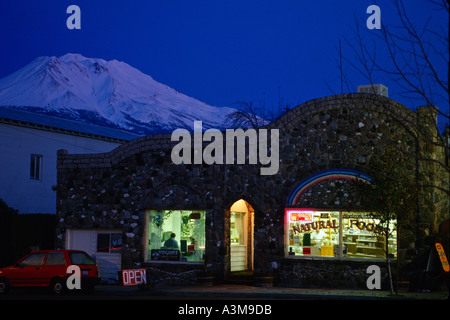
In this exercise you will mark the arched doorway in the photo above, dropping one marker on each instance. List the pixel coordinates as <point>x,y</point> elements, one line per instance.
<point>241,236</point>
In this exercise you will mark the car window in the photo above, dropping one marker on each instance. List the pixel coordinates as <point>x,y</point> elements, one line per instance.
<point>55,259</point>
<point>34,259</point>
<point>80,258</point>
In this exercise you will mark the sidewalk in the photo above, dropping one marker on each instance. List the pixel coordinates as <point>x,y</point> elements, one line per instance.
<point>232,291</point>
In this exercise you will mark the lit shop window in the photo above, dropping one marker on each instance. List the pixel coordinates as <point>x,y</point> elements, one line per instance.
<point>365,237</point>
<point>337,234</point>
<point>313,233</point>
<point>176,235</point>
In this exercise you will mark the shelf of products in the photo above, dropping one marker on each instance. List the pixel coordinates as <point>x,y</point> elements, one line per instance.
<point>364,245</point>
<point>313,234</point>
<point>342,234</point>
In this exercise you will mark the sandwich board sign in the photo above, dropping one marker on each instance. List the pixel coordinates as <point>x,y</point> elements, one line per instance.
<point>442,256</point>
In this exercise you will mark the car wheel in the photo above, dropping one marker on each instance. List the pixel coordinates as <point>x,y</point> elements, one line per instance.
<point>4,285</point>
<point>58,286</point>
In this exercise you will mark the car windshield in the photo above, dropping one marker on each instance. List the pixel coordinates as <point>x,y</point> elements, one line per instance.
<point>80,258</point>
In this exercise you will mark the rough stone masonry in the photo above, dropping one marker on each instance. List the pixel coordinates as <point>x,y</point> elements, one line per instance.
<point>114,190</point>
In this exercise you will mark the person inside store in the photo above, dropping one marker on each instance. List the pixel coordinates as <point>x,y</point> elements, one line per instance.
<point>171,243</point>
<point>317,237</point>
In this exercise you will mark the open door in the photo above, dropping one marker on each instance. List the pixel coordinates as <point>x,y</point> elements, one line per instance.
<point>241,236</point>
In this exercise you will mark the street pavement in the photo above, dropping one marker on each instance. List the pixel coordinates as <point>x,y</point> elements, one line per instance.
<point>227,301</point>
<point>222,292</point>
<point>237,291</point>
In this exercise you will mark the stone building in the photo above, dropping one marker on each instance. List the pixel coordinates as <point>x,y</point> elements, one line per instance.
<point>305,224</point>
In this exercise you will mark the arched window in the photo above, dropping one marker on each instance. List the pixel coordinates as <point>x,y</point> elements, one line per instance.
<point>338,233</point>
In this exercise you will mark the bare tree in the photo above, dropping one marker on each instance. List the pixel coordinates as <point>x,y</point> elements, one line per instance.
<point>245,116</point>
<point>412,55</point>
<point>248,115</point>
<point>415,55</point>
<point>391,198</point>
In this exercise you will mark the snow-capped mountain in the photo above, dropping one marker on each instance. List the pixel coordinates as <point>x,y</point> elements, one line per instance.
<point>109,93</point>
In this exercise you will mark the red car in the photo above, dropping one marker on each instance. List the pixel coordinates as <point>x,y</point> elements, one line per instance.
<point>48,268</point>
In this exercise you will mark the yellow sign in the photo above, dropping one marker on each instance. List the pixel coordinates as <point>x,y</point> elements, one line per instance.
<point>442,256</point>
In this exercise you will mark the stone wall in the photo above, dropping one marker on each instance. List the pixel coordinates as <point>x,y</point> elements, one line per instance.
<point>115,189</point>
<point>329,274</point>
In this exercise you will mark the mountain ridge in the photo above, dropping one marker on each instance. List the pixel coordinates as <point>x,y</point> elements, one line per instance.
<point>110,93</point>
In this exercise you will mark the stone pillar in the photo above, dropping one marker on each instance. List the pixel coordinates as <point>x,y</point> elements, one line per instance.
<point>434,179</point>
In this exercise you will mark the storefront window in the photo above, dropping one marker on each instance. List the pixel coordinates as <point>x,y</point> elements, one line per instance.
<point>313,233</point>
<point>365,237</point>
<point>176,235</point>
<point>337,234</point>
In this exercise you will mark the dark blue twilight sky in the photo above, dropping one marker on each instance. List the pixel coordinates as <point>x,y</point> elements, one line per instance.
<point>217,51</point>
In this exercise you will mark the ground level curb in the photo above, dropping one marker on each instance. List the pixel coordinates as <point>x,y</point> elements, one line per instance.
<point>244,292</point>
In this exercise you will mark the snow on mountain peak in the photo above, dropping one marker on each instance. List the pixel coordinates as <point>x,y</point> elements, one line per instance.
<point>111,90</point>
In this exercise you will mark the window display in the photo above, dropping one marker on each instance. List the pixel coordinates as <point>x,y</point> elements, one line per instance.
<point>365,237</point>
<point>313,233</point>
<point>176,235</point>
<point>337,234</point>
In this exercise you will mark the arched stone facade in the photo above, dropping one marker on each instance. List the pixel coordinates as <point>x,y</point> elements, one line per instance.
<point>343,133</point>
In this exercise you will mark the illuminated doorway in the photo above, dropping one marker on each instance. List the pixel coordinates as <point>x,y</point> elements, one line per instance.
<point>241,236</point>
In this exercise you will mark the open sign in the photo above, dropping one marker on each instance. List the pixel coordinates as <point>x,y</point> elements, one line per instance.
<point>134,277</point>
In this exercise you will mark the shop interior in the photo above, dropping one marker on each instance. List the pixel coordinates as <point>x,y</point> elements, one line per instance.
<point>338,234</point>
<point>182,230</point>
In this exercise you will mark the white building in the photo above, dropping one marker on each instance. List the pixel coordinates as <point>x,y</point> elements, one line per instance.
<point>379,89</point>
<point>28,148</point>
